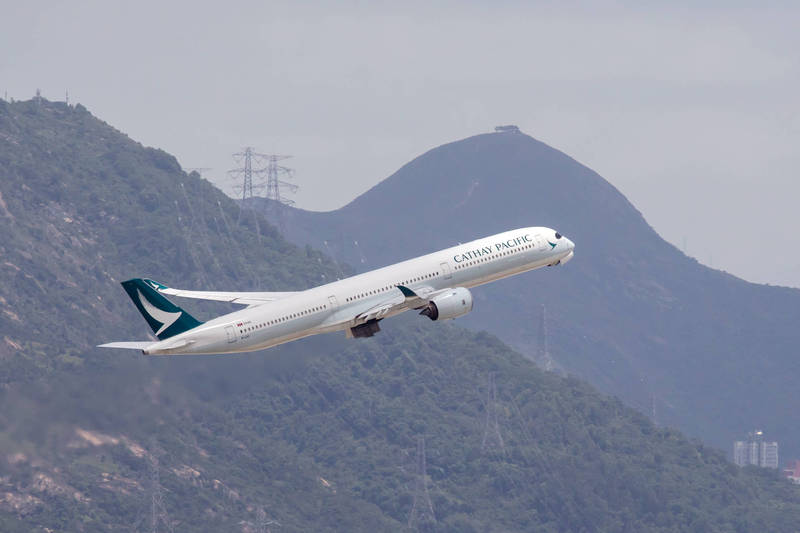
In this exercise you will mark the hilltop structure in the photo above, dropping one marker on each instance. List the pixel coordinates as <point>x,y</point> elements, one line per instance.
<point>755,451</point>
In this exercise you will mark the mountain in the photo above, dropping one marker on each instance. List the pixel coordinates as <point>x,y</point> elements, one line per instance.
<point>321,434</point>
<point>83,207</point>
<point>711,353</point>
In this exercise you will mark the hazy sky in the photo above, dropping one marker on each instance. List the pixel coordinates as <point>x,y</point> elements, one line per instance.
<point>692,112</point>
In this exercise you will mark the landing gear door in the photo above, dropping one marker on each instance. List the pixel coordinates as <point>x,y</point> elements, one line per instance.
<point>446,270</point>
<point>231,333</point>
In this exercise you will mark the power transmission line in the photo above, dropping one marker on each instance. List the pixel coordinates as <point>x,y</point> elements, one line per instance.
<point>333,258</point>
<point>233,242</point>
<point>275,186</point>
<point>653,412</point>
<point>422,509</point>
<point>158,511</point>
<point>262,523</point>
<point>186,223</point>
<point>246,158</point>
<point>200,229</point>
<point>259,171</point>
<point>492,439</point>
<point>274,182</point>
<point>543,358</point>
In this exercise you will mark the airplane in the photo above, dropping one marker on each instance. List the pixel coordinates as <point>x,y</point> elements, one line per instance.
<point>437,285</point>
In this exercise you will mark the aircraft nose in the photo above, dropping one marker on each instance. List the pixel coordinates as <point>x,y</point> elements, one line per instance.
<point>570,252</point>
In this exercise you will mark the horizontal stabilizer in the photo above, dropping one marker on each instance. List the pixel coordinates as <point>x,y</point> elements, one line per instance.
<point>242,298</point>
<point>127,345</point>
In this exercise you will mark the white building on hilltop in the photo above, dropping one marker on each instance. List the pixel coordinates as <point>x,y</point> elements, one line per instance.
<point>755,451</point>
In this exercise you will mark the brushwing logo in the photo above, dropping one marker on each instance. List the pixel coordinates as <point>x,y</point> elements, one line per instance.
<point>165,317</point>
<point>552,244</point>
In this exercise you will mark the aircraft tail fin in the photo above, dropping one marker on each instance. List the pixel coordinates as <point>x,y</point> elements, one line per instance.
<point>165,318</point>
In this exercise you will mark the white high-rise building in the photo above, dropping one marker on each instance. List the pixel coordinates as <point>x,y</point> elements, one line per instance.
<point>755,451</point>
<point>769,455</point>
<point>741,455</point>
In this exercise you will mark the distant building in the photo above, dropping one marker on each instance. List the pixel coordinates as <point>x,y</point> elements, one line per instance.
<point>741,453</point>
<point>792,471</point>
<point>755,451</point>
<point>769,455</point>
<point>510,128</point>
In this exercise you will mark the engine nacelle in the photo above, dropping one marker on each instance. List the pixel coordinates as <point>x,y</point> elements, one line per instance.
<point>451,304</point>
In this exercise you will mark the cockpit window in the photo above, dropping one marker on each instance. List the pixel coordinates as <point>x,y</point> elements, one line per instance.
<point>558,235</point>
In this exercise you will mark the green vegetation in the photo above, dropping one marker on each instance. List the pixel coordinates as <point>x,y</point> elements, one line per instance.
<point>321,433</point>
<point>631,314</point>
<point>83,207</point>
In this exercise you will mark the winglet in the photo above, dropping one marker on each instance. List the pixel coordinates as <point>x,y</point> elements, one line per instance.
<point>408,293</point>
<point>156,285</point>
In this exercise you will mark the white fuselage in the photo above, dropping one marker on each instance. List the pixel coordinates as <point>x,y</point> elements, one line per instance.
<point>337,306</point>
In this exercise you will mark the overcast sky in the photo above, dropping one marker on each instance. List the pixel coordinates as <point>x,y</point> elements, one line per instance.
<point>692,112</point>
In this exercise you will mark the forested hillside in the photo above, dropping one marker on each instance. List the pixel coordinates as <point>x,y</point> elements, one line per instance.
<point>83,207</point>
<point>631,314</point>
<point>321,434</point>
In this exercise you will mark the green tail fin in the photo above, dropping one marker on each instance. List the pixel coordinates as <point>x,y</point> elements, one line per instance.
<point>165,318</point>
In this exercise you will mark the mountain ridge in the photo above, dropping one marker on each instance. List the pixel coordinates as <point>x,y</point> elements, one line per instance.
<point>631,313</point>
<point>319,434</point>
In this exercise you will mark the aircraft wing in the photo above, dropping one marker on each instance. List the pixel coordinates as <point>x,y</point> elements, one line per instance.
<point>243,298</point>
<point>421,295</point>
<point>408,299</point>
<point>376,312</point>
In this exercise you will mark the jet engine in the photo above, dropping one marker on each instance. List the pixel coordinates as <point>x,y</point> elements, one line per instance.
<point>451,304</point>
